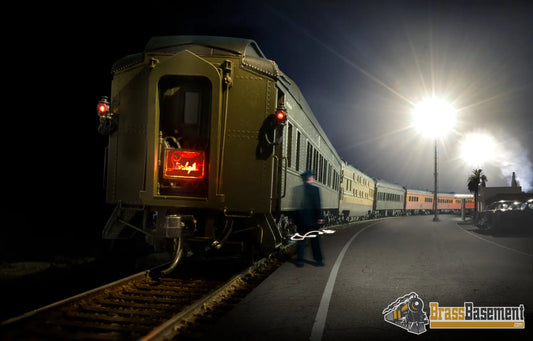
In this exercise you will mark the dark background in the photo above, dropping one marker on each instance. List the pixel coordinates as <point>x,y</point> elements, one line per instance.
<point>360,64</point>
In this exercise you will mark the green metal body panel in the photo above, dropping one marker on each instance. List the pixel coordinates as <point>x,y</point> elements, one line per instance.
<point>183,63</point>
<point>243,185</point>
<point>243,93</point>
<point>236,115</point>
<point>127,146</point>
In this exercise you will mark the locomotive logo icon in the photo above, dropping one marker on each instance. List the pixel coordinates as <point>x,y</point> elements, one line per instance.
<point>407,312</point>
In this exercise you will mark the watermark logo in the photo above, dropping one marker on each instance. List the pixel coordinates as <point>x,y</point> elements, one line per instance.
<point>407,312</point>
<point>471,317</point>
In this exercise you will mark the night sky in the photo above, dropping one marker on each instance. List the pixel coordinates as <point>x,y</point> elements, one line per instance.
<point>362,66</point>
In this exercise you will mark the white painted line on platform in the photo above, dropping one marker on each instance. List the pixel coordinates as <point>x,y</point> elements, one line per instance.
<point>494,243</point>
<point>322,314</point>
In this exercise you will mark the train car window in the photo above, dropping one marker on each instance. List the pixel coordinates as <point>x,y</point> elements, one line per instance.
<point>309,157</point>
<point>325,170</point>
<point>289,146</point>
<point>184,110</point>
<point>315,163</point>
<point>184,116</point>
<point>191,107</point>
<point>321,168</point>
<point>297,150</point>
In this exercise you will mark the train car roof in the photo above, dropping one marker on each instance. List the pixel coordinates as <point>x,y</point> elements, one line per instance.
<point>448,194</point>
<point>289,85</point>
<point>385,183</point>
<point>421,191</point>
<point>252,56</point>
<point>238,46</point>
<point>347,165</point>
<point>464,196</point>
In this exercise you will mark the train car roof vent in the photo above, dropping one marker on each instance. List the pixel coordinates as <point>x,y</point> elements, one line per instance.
<point>262,65</point>
<point>126,62</point>
<point>238,46</point>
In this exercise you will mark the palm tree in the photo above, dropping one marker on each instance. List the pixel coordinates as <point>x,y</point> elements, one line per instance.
<point>477,178</point>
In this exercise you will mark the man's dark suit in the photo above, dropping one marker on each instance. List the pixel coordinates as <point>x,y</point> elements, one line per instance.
<point>308,215</point>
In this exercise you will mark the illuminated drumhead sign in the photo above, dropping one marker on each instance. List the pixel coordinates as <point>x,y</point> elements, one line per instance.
<point>181,164</point>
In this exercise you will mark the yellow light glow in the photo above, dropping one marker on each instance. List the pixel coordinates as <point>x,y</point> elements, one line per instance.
<point>433,117</point>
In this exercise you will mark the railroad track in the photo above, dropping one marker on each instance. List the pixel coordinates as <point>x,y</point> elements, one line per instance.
<point>142,306</point>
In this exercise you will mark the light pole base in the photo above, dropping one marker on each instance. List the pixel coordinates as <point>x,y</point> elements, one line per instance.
<point>435,218</point>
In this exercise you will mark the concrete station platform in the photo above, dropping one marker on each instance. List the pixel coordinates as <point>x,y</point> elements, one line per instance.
<point>344,301</point>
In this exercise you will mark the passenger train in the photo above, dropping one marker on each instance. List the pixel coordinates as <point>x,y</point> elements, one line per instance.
<point>207,140</point>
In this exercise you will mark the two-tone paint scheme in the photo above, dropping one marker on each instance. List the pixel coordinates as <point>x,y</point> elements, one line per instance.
<point>418,201</point>
<point>357,193</point>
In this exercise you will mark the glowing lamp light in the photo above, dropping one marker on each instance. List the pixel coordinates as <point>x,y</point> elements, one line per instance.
<point>181,164</point>
<point>281,116</point>
<point>103,107</point>
<point>434,117</point>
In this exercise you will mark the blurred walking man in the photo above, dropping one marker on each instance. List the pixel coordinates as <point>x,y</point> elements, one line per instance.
<point>309,219</point>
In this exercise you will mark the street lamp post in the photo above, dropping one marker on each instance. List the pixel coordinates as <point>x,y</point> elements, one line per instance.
<point>435,200</point>
<point>433,117</point>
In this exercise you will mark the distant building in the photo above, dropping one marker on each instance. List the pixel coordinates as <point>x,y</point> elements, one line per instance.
<point>488,195</point>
